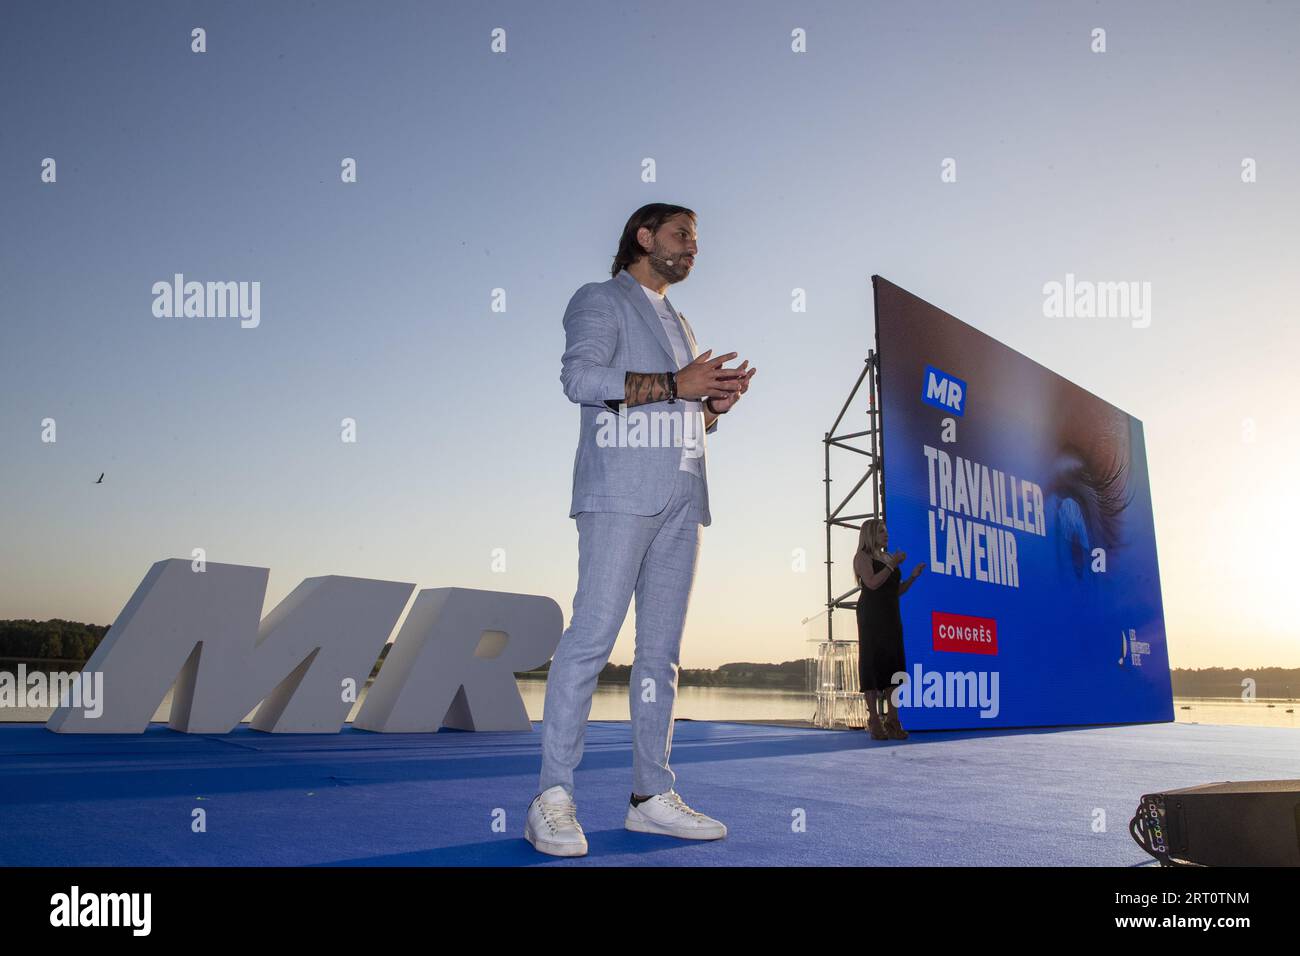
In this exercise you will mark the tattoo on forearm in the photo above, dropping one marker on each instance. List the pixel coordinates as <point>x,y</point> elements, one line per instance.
<point>643,387</point>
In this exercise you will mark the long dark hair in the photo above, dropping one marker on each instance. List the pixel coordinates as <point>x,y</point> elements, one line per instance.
<point>651,216</point>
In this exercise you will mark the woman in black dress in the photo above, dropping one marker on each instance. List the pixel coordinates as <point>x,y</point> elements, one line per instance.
<point>880,627</point>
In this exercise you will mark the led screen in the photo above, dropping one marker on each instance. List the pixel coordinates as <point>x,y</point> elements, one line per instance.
<point>1028,499</point>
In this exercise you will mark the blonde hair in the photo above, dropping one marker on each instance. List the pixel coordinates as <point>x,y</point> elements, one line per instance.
<point>869,537</point>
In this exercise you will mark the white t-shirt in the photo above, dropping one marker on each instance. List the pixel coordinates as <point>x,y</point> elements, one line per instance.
<point>693,411</point>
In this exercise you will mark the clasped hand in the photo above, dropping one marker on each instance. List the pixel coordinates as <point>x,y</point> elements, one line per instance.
<point>706,378</point>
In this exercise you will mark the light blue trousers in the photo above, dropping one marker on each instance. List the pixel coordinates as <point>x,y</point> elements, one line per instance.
<point>620,555</point>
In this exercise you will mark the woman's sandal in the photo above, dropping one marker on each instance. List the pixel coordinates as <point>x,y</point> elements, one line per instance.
<point>893,728</point>
<point>878,731</point>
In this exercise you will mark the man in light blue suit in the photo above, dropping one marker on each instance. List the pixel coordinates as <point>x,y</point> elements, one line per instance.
<point>640,496</point>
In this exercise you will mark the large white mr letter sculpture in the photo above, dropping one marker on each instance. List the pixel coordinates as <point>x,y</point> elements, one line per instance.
<point>452,664</point>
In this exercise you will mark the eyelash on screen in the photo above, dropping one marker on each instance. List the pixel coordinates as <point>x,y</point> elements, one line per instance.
<point>1106,492</point>
<point>1111,487</point>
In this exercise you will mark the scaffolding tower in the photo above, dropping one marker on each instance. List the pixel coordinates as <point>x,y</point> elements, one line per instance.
<point>839,699</point>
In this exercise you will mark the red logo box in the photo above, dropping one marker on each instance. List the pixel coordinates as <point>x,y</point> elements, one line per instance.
<point>963,633</point>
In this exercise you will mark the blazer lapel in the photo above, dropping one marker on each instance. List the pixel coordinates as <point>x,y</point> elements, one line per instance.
<point>647,311</point>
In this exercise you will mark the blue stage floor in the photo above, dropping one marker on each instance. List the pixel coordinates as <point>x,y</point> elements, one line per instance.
<point>359,798</point>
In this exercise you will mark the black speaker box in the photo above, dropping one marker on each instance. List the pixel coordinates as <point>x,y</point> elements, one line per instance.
<point>1234,823</point>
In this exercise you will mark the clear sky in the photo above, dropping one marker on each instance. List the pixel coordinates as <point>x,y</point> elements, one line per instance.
<point>480,170</point>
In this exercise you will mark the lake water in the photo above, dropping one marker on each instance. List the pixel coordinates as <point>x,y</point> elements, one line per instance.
<point>610,702</point>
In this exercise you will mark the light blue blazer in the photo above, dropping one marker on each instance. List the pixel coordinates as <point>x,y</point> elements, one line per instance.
<point>610,328</point>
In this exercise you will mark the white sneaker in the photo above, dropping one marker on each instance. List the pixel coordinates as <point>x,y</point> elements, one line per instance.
<point>553,826</point>
<point>666,813</point>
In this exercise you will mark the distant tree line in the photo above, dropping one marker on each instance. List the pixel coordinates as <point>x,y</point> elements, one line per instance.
<point>1227,682</point>
<point>789,675</point>
<point>74,642</point>
<point>55,639</point>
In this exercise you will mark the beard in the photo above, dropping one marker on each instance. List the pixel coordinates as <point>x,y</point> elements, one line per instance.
<point>659,262</point>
